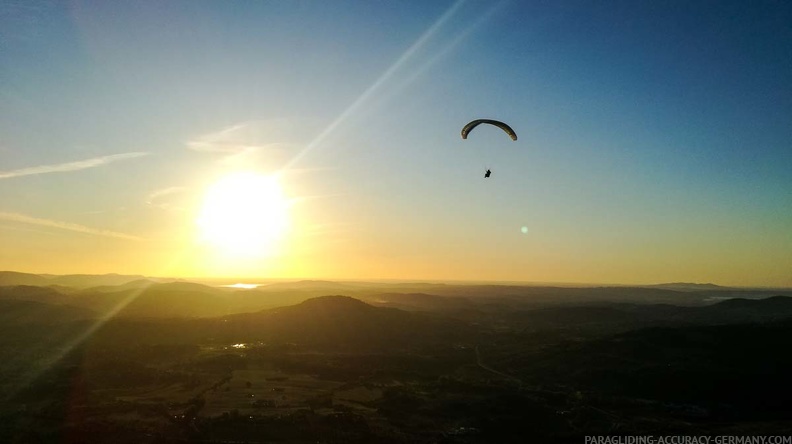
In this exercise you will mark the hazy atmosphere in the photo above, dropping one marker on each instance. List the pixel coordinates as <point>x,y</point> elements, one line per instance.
<point>395,222</point>
<point>314,139</point>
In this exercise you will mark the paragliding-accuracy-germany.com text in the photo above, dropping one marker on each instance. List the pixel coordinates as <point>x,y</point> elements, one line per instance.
<point>688,439</point>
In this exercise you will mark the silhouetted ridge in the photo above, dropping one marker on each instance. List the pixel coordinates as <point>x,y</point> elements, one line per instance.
<point>692,284</point>
<point>335,302</point>
<point>341,321</point>
<point>688,286</point>
<point>92,280</point>
<point>31,293</point>
<point>16,278</point>
<point>332,309</point>
<point>774,302</point>
<point>181,286</point>
<point>29,311</point>
<point>139,284</point>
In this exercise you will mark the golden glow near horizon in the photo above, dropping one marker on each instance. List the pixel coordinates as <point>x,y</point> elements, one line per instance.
<point>244,215</point>
<point>117,121</point>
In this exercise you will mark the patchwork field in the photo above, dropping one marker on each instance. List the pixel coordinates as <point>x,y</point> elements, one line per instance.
<point>266,391</point>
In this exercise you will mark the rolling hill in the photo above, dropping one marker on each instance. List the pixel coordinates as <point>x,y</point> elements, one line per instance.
<point>344,322</point>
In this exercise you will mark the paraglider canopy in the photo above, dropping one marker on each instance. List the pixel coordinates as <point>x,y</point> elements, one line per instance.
<point>469,127</point>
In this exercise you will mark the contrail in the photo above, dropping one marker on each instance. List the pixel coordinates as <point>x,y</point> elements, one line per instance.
<point>16,217</point>
<point>407,55</point>
<point>70,166</point>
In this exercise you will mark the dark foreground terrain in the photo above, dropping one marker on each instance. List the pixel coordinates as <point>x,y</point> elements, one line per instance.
<point>122,359</point>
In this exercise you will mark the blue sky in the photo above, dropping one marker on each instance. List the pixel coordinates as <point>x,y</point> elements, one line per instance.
<point>654,137</point>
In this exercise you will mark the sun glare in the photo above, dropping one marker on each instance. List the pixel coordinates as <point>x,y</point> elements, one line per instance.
<point>244,214</point>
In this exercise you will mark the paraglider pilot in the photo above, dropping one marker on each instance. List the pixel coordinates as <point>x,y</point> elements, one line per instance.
<point>487,174</point>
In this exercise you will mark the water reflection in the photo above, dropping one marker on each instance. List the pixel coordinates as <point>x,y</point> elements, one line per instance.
<point>242,286</point>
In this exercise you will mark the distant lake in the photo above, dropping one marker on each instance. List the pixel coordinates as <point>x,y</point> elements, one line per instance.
<point>718,298</point>
<point>242,286</point>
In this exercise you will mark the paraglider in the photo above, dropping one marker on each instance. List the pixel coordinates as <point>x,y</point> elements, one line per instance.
<point>469,127</point>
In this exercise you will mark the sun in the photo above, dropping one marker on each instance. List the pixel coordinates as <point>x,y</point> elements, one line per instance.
<point>244,214</point>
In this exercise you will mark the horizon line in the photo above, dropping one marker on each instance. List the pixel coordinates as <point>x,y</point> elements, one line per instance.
<point>504,282</point>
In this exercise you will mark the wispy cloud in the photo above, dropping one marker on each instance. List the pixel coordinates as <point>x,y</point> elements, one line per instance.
<point>231,140</point>
<point>155,199</point>
<point>70,166</point>
<point>21,218</point>
<point>255,143</point>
